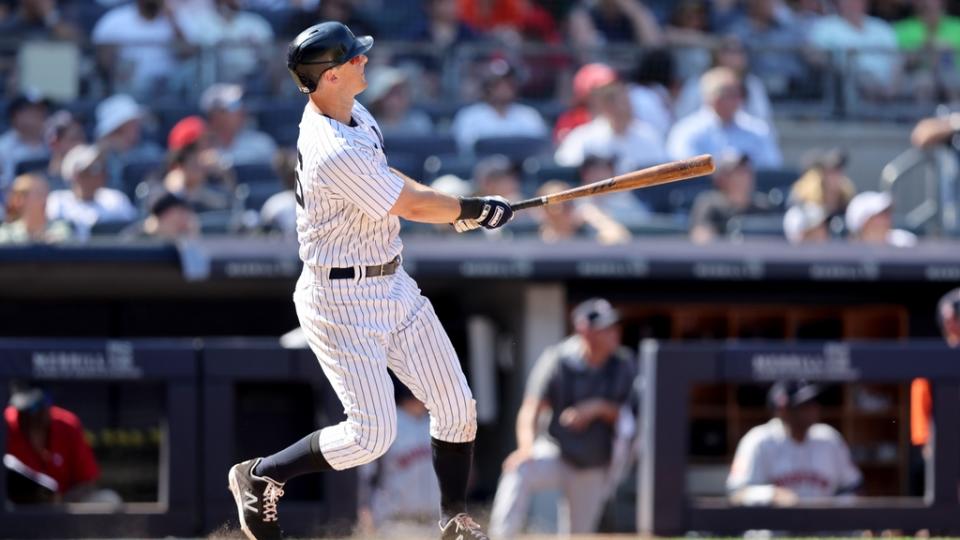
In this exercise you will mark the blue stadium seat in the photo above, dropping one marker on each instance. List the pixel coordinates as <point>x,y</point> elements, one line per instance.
<point>255,173</point>
<point>775,184</point>
<point>254,195</point>
<point>409,164</point>
<point>168,114</point>
<point>440,165</point>
<point>216,222</point>
<point>109,228</point>
<point>279,118</point>
<point>135,173</point>
<point>31,166</point>
<point>516,148</point>
<point>421,145</point>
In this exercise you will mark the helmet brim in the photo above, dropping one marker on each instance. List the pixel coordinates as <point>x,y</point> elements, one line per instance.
<point>360,46</point>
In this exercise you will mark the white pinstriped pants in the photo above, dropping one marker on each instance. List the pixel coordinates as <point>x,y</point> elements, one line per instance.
<point>358,329</point>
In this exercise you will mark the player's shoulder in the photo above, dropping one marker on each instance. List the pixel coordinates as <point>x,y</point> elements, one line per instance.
<point>765,433</point>
<point>825,433</point>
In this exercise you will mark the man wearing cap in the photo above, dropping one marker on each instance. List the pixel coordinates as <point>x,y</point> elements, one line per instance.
<point>499,114</point>
<point>388,98</point>
<point>721,124</point>
<point>119,133</point>
<point>49,440</point>
<point>733,195</point>
<point>587,79</point>
<point>24,140</point>
<point>26,214</point>
<point>806,224</point>
<point>623,207</point>
<point>171,218</point>
<point>227,118</point>
<point>792,457</point>
<point>86,201</point>
<point>869,220</point>
<point>615,130</point>
<point>586,383</point>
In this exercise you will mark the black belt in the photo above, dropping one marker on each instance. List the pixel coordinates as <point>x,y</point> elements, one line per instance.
<point>385,269</point>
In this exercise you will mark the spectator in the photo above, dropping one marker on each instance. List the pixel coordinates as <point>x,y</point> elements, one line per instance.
<point>338,10</point>
<point>227,117</point>
<point>119,135</point>
<point>49,440</point>
<point>873,42</point>
<point>87,201</point>
<point>24,140</point>
<point>242,38</point>
<point>869,219</point>
<point>733,195</point>
<point>729,53</point>
<point>721,125</point>
<point>388,98</point>
<point>187,178</point>
<point>442,27</point>
<point>586,383</point>
<point>194,130</point>
<point>171,218</point>
<point>624,206</point>
<point>921,394</point>
<point>63,133</point>
<point>935,37</point>
<point>510,21</point>
<point>614,130</point>
<point>932,131</point>
<point>26,217</point>
<point>399,492</point>
<point>652,91</point>
<point>37,20</point>
<point>806,224</point>
<point>498,115</point>
<point>775,44</point>
<point>137,44</point>
<point>792,457</point>
<point>825,184</point>
<point>690,36</point>
<point>279,213</point>
<point>496,175</point>
<point>596,23</point>
<point>565,221</point>
<point>396,17</point>
<point>587,79</point>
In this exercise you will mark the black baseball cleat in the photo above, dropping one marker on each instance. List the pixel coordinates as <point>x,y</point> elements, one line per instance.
<point>256,499</point>
<point>462,527</point>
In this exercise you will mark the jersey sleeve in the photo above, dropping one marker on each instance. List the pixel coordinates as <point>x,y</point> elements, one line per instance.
<point>85,469</point>
<point>363,180</point>
<point>538,383</point>
<point>747,468</point>
<point>850,477</point>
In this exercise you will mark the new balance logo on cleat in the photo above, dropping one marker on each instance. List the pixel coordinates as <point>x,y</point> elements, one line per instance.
<point>463,527</point>
<point>256,499</point>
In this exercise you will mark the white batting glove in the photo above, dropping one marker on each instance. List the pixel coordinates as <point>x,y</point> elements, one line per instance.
<point>464,225</point>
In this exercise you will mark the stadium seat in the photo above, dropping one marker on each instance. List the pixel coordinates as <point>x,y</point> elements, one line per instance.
<point>758,225</point>
<point>31,165</point>
<point>436,166</point>
<point>109,228</point>
<point>775,184</point>
<point>421,145</point>
<point>254,195</point>
<point>168,114</point>
<point>278,118</point>
<point>409,164</point>
<point>216,222</point>
<point>255,173</point>
<point>515,148</point>
<point>135,173</point>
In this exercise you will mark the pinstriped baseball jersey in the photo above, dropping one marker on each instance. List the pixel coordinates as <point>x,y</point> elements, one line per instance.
<point>344,192</point>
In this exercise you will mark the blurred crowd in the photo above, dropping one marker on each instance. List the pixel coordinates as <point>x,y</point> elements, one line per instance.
<point>181,120</point>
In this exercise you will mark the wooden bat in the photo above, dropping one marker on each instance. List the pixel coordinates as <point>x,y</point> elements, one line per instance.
<point>673,171</point>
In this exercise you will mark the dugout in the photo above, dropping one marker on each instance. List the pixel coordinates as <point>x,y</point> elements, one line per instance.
<point>671,371</point>
<point>137,401</point>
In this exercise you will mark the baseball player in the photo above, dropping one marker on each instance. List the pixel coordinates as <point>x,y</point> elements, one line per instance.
<point>792,456</point>
<point>361,313</point>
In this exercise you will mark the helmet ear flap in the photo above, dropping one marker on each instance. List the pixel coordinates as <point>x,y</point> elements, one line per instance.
<point>305,83</point>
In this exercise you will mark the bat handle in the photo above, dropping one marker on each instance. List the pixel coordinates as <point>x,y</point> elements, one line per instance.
<point>528,203</point>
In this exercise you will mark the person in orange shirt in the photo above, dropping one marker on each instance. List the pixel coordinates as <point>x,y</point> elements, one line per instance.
<point>921,397</point>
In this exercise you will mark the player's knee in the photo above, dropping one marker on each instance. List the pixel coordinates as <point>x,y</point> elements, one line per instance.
<point>375,434</point>
<point>460,425</point>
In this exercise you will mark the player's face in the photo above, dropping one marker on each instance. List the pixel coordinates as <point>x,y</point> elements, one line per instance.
<point>801,417</point>
<point>353,74</point>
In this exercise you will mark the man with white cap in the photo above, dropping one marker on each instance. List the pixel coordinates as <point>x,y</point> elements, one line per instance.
<point>238,144</point>
<point>87,202</point>
<point>806,224</point>
<point>388,97</point>
<point>869,220</point>
<point>118,133</point>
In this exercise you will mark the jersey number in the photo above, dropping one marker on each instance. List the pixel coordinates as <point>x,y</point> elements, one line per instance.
<point>298,189</point>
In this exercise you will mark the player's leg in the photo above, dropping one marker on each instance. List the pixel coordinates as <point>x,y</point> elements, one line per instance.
<point>422,357</point>
<point>511,504</point>
<point>353,358</point>
<point>584,493</point>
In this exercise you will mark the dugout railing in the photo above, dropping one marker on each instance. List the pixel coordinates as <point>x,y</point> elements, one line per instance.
<point>671,369</point>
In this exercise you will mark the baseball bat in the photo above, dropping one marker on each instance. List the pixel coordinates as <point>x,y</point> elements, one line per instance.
<point>674,171</point>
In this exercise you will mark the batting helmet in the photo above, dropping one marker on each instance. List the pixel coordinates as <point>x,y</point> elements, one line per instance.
<point>321,47</point>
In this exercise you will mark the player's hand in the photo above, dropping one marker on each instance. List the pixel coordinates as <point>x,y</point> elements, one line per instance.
<point>489,212</point>
<point>576,418</point>
<point>515,459</point>
<point>464,225</point>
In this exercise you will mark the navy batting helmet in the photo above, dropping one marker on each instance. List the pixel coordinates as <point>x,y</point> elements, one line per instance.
<point>321,47</point>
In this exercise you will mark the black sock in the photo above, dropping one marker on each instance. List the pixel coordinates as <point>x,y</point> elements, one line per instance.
<point>301,457</point>
<point>452,461</point>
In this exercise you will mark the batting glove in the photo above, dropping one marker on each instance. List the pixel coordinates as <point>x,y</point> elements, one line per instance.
<point>464,225</point>
<point>488,212</point>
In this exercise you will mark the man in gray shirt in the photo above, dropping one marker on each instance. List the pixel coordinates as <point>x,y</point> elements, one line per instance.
<point>586,383</point>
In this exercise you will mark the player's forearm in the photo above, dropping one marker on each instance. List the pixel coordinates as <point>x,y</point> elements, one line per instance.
<point>424,204</point>
<point>527,424</point>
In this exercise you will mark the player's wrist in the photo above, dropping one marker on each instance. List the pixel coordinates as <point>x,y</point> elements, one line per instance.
<point>471,207</point>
